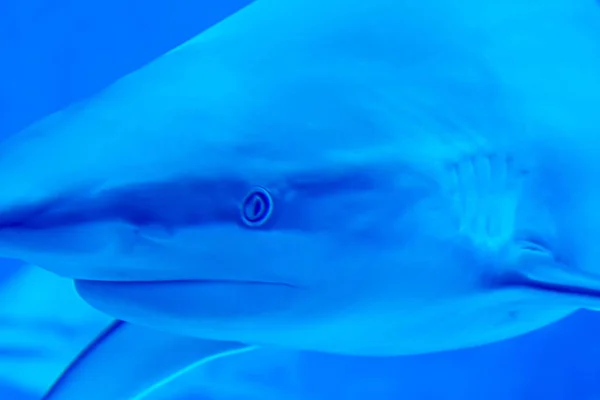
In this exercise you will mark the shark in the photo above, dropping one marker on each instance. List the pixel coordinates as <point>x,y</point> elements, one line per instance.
<point>368,178</point>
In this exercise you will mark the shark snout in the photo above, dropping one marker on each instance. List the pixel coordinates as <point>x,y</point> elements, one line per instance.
<point>63,235</point>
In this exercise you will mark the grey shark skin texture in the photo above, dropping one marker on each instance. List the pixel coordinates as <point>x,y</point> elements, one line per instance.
<point>367,178</point>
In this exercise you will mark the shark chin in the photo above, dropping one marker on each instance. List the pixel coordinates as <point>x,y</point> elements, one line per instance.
<point>165,303</point>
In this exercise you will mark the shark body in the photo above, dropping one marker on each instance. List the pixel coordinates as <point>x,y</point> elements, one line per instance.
<point>364,178</point>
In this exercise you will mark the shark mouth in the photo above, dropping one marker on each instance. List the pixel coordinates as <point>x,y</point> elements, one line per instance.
<point>174,282</point>
<point>162,302</point>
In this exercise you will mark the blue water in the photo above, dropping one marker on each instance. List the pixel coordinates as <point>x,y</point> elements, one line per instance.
<point>55,52</point>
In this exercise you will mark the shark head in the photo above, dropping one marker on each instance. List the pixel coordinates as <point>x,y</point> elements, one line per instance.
<point>299,190</point>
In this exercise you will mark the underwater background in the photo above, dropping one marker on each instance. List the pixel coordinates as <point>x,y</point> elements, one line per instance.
<point>53,52</point>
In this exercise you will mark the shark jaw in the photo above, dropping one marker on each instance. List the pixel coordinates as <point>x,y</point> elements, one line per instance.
<point>165,304</point>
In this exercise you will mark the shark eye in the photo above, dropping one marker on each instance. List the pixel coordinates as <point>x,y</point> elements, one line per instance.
<point>257,207</point>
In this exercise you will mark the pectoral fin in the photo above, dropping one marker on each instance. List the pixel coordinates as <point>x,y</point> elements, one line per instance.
<point>540,270</point>
<point>127,362</point>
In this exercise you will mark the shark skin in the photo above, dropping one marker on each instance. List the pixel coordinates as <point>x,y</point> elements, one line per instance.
<point>362,178</point>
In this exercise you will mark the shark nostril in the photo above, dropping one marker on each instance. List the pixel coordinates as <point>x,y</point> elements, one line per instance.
<point>257,207</point>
